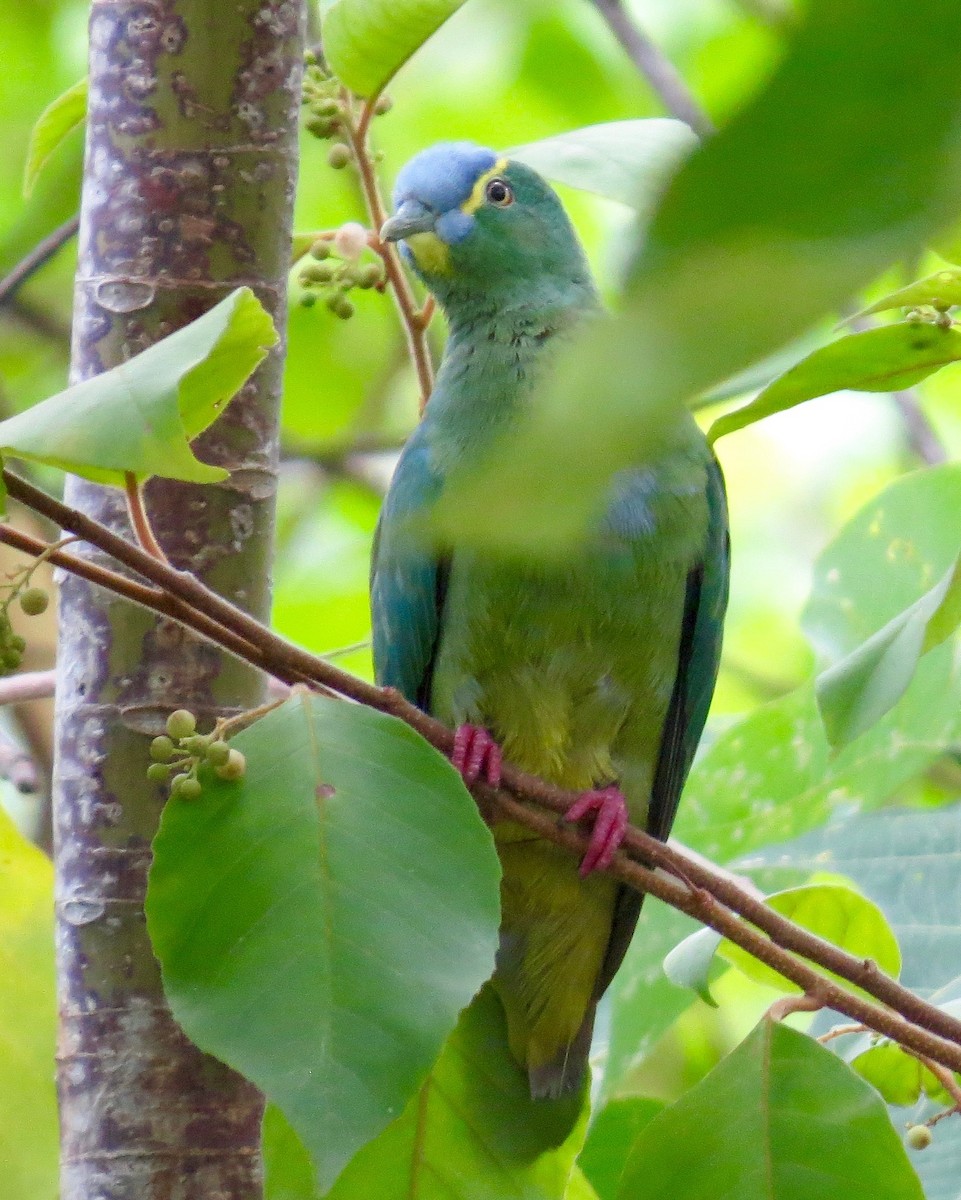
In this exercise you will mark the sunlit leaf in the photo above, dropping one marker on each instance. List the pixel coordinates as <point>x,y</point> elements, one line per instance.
<point>750,245</point>
<point>898,1076</point>
<point>877,360</point>
<point>628,161</point>
<point>833,912</point>
<point>689,964</point>
<point>28,1020</point>
<point>366,42</point>
<point>857,691</point>
<point>942,290</point>
<point>141,415</point>
<point>58,119</point>
<point>352,914</point>
<point>472,1132</point>
<point>781,1118</point>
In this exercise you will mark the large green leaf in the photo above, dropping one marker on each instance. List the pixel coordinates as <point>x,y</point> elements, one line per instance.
<point>28,1020</point>
<point>141,415</point>
<point>368,41</point>
<point>612,1133</point>
<point>886,590</point>
<point>628,161</point>
<point>321,923</point>
<point>751,244</point>
<point>471,1133</point>
<point>58,119</point>
<point>781,1118</point>
<point>877,360</point>
<point>857,691</point>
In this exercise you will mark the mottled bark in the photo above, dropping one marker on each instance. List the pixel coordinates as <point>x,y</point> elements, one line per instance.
<point>188,192</point>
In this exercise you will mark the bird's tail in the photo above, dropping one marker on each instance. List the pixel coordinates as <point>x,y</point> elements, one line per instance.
<point>564,1074</point>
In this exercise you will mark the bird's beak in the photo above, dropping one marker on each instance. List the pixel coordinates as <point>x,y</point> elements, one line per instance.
<point>410,218</point>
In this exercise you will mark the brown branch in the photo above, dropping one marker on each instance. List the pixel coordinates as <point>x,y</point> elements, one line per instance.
<point>36,258</point>
<point>689,885</point>
<point>663,77</point>
<point>139,519</point>
<point>411,317</point>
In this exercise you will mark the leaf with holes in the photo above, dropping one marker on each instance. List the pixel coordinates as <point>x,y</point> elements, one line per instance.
<point>321,922</point>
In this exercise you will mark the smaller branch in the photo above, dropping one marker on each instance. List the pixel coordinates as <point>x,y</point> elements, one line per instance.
<point>31,685</point>
<point>784,1006</point>
<point>400,287</point>
<point>663,77</point>
<point>841,1031</point>
<point>139,519</point>
<point>40,254</point>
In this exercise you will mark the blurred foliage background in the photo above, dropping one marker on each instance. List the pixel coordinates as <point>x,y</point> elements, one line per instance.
<point>500,73</point>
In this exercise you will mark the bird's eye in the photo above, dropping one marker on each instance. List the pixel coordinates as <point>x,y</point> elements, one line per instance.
<point>499,193</point>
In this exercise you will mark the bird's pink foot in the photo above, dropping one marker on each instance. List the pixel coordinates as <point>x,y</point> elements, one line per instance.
<point>476,755</point>
<point>607,833</point>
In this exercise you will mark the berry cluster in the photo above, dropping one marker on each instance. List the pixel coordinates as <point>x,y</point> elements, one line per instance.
<point>33,601</point>
<point>332,268</point>
<point>182,750</point>
<point>328,111</point>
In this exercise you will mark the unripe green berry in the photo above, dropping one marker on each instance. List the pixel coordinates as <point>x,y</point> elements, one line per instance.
<point>190,789</point>
<point>11,659</point>
<point>384,104</point>
<point>369,275</point>
<point>338,156</point>
<point>320,249</point>
<point>34,601</point>
<point>234,767</point>
<point>340,306</point>
<point>308,300</point>
<point>196,743</point>
<point>320,127</point>
<point>919,1137</point>
<point>16,642</point>
<point>158,772</point>
<point>328,108</point>
<point>177,783</point>
<point>181,723</point>
<point>218,753</point>
<point>317,272</point>
<point>162,749</point>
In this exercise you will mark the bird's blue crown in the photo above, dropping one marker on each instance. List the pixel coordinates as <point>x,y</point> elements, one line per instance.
<point>444,175</point>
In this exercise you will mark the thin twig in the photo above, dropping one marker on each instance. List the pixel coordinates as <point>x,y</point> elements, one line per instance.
<point>139,519</point>
<point>37,257</point>
<point>411,317</point>
<point>31,685</point>
<point>657,69</point>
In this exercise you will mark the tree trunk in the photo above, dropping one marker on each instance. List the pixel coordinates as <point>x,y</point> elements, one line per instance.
<point>188,193</point>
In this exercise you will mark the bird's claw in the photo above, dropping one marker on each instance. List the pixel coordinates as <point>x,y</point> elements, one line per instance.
<point>476,755</point>
<point>607,832</point>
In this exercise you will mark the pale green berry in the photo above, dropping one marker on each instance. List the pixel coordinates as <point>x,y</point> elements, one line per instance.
<point>34,601</point>
<point>181,723</point>
<point>162,749</point>
<point>234,767</point>
<point>338,156</point>
<point>190,789</point>
<point>158,772</point>
<point>919,1137</point>
<point>218,753</point>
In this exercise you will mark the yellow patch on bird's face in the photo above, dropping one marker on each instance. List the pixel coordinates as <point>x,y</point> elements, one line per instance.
<point>476,198</point>
<point>432,254</point>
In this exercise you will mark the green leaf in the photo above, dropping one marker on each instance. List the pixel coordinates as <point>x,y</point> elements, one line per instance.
<point>579,1186</point>
<point>366,42</point>
<point>351,864</point>
<point>857,691</point>
<point>28,1020</point>
<point>749,247</point>
<point>834,912</point>
<point>877,360</point>
<point>141,415</point>
<point>472,1132</point>
<point>781,1118</point>
<point>288,1171</point>
<point>628,161</point>
<point>57,120</point>
<point>689,964</point>
<point>942,290</point>
<point>899,1077</point>
<point>612,1133</point>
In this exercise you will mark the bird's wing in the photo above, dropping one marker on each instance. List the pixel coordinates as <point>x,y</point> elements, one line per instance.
<point>699,653</point>
<point>407,580</point>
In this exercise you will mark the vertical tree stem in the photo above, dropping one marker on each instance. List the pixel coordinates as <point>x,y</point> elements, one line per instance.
<point>188,191</point>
